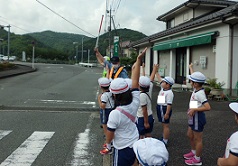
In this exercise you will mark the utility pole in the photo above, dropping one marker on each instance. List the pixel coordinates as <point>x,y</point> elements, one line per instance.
<point>110,28</point>
<point>82,51</point>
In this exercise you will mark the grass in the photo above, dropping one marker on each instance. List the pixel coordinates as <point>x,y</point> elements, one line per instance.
<point>6,66</point>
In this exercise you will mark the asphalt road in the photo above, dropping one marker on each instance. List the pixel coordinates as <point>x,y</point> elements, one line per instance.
<point>52,86</point>
<point>50,117</point>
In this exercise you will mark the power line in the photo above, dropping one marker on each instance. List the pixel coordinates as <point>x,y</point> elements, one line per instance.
<point>64,18</point>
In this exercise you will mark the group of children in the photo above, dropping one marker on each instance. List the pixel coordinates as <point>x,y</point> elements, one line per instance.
<point>127,118</point>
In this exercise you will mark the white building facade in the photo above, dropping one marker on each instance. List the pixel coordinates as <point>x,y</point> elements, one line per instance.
<point>201,32</point>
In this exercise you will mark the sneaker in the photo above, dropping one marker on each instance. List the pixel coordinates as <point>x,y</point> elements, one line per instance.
<point>193,161</point>
<point>188,155</point>
<point>106,151</point>
<point>104,146</point>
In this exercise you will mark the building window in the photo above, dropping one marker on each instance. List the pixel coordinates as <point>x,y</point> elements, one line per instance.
<point>171,23</point>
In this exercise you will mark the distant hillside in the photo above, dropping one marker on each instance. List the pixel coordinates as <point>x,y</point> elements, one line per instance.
<point>59,46</point>
<point>64,41</point>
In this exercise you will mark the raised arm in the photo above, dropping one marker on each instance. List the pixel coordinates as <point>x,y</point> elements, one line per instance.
<point>155,70</point>
<point>136,70</point>
<point>158,75</point>
<point>143,68</point>
<point>191,68</point>
<point>100,58</point>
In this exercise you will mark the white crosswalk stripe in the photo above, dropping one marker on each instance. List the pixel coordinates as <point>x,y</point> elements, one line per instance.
<point>4,133</point>
<point>27,152</point>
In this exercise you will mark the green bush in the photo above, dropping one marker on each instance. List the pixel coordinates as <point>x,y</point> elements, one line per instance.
<point>6,65</point>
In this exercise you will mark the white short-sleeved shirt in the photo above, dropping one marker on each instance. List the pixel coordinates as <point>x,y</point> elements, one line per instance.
<point>108,100</point>
<point>125,131</point>
<point>199,96</point>
<point>169,96</point>
<point>145,99</point>
<point>232,145</point>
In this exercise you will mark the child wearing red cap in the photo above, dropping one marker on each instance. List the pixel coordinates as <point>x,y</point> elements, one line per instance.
<point>105,101</point>
<point>121,127</point>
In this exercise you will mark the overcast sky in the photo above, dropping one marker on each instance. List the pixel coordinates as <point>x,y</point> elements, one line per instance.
<point>26,16</point>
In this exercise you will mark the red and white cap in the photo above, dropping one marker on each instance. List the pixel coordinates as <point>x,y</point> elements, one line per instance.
<point>119,86</point>
<point>144,82</point>
<point>129,82</point>
<point>234,107</point>
<point>104,82</point>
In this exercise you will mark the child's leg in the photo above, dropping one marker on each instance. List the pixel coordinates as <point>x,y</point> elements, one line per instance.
<point>190,135</point>
<point>198,143</point>
<point>104,126</point>
<point>166,131</point>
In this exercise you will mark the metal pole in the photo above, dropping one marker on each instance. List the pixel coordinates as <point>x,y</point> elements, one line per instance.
<point>8,47</point>
<point>82,51</point>
<point>33,56</point>
<point>76,54</point>
<point>88,55</point>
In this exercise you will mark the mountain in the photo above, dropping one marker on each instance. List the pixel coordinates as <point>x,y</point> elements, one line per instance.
<point>59,46</point>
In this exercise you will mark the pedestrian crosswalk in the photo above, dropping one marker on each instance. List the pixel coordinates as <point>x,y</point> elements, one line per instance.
<point>31,147</point>
<point>27,152</point>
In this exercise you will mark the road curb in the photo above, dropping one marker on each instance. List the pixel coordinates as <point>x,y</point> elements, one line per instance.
<point>15,72</point>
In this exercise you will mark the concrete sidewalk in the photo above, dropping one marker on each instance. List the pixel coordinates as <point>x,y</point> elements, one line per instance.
<point>17,70</point>
<point>220,125</point>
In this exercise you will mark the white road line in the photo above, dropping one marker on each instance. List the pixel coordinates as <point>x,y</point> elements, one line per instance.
<point>80,155</point>
<point>61,102</point>
<point>4,133</point>
<point>27,152</point>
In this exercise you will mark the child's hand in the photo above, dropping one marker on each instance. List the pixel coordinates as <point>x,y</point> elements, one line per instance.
<point>166,116</point>
<point>191,112</point>
<point>143,64</point>
<point>142,53</point>
<point>156,67</point>
<point>191,65</point>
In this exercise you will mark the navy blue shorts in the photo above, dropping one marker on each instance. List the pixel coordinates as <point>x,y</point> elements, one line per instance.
<point>124,157</point>
<point>104,114</point>
<point>140,125</point>
<point>161,110</point>
<point>199,121</point>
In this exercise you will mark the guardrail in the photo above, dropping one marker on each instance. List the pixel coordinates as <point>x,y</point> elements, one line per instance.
<point>88,64</point>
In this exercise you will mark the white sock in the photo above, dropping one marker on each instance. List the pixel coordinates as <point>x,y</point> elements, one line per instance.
<point>109,146</point>
<point>193,151</point>
<point>197,158</point>
<point>165,141</point>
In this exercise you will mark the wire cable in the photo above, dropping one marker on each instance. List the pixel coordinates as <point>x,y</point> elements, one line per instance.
<point>65,18</point>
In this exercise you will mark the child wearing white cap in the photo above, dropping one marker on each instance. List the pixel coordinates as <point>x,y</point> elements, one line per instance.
<point>121,127</point>
<point>105,101</point>
<point>145,120</point>
<point>164,105</point>
<point>151,152</point>
<point>196,117</point>
<point>231,154</point>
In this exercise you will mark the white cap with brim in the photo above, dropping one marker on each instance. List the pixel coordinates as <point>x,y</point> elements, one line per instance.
<point>150,151</point>
<point>234,107</point>
<point>119,86</point>
<point>197,77</point>
<point>129,82</point>
<point>104,82</point>
<point>144,81</point>
<point>169,80</point>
